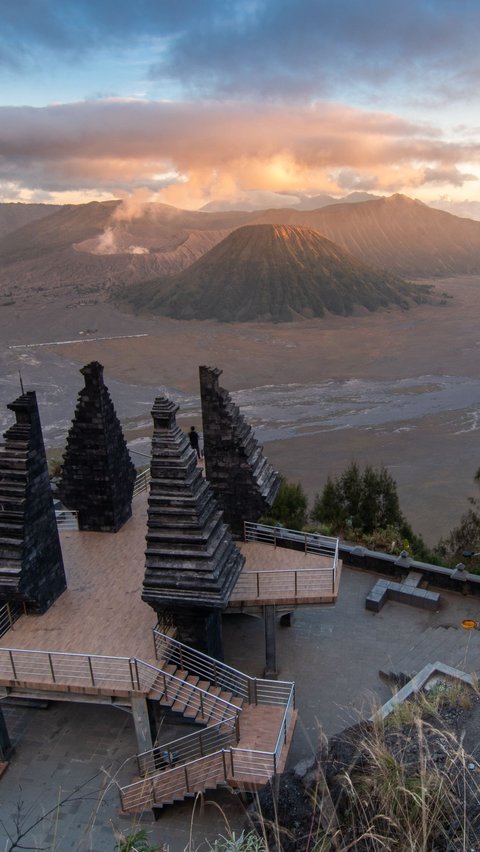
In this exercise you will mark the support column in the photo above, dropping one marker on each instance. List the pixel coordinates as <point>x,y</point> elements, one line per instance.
<point>142,722</point>
<point>269,612</point>
<point>6,747</point>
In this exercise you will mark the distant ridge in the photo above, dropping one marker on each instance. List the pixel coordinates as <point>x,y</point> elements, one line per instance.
<point>395,233</point>
<point>275,273</point>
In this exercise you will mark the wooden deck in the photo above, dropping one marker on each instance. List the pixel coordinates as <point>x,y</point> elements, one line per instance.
<point>280,575</point>
<point>101,612</point>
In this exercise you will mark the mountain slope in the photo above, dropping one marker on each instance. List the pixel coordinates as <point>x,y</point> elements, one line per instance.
<point>396,233</point>
<point>15,214</point>
<point>275,273</point>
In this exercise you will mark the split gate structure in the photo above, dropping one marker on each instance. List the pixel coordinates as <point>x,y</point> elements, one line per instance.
<point>101,643</point>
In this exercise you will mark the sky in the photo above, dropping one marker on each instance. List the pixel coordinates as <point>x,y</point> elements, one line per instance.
<point>193,101</point>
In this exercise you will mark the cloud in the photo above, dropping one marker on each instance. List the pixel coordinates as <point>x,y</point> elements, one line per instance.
<point>314,48</point>
<point>191,152</point>
<point>447,176</point>
<point>261,49</point>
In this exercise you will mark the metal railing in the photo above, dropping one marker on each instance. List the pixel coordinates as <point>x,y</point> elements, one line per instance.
<point>186,697</point>
<point>284,728</point>
<point>66,519</point>
<point>251,689</point>
<point>240,765</point>
<point>286,584</point>
<point>142,481</point>
<point>65,669</point>
<point>300,582</point>
<point>282,537</point>
<point>192,746</point>
<point>114,673</point>
<point>9,614</point>
<point>223,766</point>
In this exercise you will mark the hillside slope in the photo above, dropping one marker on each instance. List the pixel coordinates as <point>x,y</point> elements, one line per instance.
<point>396,233</point>
<point>271,272</point>
<point>14,215</point>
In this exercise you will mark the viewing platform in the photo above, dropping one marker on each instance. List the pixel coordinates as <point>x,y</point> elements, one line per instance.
<point>286,568</point>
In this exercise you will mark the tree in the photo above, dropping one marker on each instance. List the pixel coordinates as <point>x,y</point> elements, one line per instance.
<point>464,537</point>
<point>364,501</point>
<point>290,506</point>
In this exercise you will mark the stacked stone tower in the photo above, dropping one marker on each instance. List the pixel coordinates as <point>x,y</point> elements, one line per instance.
<point>244,482</point>
<point>31,564</point>
<point>192,563</point>
<point>97,474</point>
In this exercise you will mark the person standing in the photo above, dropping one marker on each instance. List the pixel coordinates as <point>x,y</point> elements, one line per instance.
<point>195,441</point>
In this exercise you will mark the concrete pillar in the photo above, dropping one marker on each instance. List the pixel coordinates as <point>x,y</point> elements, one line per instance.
<point>6,747</point>
<point>269,612</point>
<point>142,722</point>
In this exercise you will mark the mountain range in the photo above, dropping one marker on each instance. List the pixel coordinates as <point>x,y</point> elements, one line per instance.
<point>88,250</point>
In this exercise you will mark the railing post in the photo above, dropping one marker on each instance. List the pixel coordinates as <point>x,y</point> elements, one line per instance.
<point>136,673</point>
<point>224,765</point>
<point>305,538</point>
<point>258,584</point>
<point>200,743</point>
<point>91,669</point>
<point>186,778</point>
<point>13,665</point>
<point>231,763</point>
<point>296,577</point>
<point>155,643</point>
<point>165,687</point>
<point>130,663</point>
<point>51,667</point>
<point>201,705</point>
<point>237,727</point>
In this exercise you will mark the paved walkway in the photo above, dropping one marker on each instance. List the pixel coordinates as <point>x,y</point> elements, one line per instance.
<point>332,653</point>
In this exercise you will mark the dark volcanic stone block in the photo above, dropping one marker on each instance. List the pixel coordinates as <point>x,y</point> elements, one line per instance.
<point>97,474</point>
<point>243,480</point>
<point>31,564</point>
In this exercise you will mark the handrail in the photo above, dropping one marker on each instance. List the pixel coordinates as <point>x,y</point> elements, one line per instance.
<point>252,689</point>
<point>206,699</point>
<point>101,671</point>
<point>66,519</point>
<point>312,542</point>
<point>283,732</point>
<point>185,749</point>
<point>141,482</point>
<point>9,614</point>
<point>225,765</point>
<point>220,766</point>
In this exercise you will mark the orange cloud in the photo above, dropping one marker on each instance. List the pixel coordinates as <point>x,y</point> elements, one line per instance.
<point>189,153</point>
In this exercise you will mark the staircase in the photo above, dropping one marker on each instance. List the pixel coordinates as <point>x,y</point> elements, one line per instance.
<point>450,645</point>
<point>249,723</point>
<point>246,723</point>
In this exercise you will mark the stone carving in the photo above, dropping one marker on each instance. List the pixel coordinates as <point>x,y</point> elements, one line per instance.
<point>243,480</point>
<point>97,474</point>
<point>192,563</point>
<point>31,564</point>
